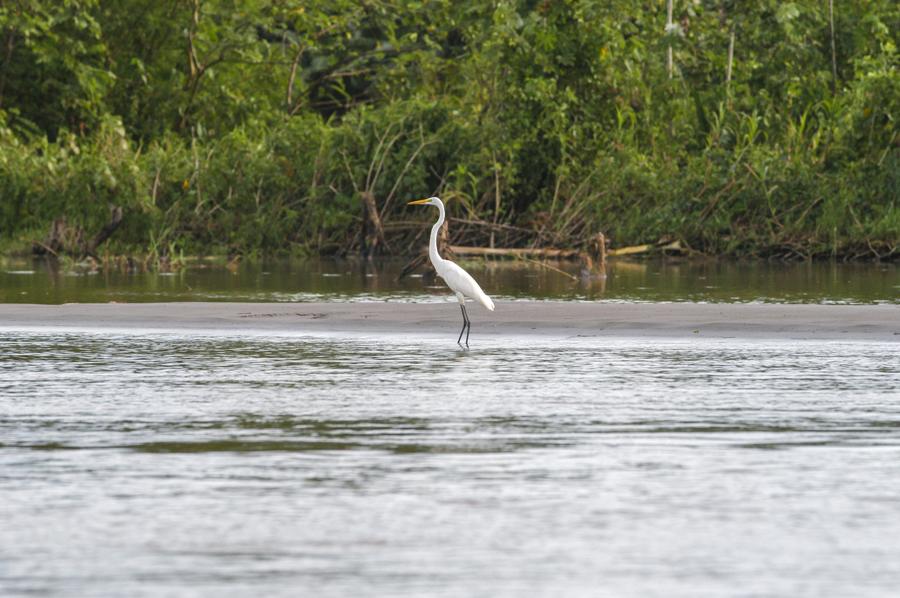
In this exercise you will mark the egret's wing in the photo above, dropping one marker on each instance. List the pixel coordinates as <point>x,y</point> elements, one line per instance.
<point>461,281</point>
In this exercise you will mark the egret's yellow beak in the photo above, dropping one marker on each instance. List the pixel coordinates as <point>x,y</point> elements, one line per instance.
<point>419,202</point>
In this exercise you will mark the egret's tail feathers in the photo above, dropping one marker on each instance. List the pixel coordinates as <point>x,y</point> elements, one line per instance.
<point>486,302</point>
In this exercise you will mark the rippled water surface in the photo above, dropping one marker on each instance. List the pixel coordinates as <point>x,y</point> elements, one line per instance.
<point>172,465</point>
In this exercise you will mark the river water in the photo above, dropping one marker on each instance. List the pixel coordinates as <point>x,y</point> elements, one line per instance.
<point>39,281</point>
<point>212,465</point>
<point>197,464</point>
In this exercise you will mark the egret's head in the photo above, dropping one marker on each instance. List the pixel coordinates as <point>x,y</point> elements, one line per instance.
<point>431,201</point>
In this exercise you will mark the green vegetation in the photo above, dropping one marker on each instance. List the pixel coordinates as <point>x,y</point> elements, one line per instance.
<point>259,127</point>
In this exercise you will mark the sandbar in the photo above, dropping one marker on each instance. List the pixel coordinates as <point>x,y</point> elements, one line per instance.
<point>880,322</point>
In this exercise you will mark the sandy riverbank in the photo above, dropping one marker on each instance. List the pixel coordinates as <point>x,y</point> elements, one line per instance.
<point>558,319</point>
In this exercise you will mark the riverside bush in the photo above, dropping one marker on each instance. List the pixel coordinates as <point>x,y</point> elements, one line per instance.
<point>540,123</point>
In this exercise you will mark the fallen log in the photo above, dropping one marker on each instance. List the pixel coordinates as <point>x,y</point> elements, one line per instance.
<point>564,253</point>
<point>517,252</point>
<point>530,253</point>
<point>598,246</point>
<point>632,250</point>
<point>593,260</point>
<point>647,247</point>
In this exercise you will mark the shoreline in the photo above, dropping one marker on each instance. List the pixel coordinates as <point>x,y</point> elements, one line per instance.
<point>880,322</point>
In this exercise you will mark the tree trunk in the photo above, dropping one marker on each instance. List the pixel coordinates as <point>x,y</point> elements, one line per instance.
<point>105,232</point>
<point>670,64</point>
<point>833,48</point>
<point>730,63</point>
<point>375,238</point>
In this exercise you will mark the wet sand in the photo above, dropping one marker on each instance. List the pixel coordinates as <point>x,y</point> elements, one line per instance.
<point>552,319</point>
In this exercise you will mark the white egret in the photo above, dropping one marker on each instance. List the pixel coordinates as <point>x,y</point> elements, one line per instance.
<point>459,281</point>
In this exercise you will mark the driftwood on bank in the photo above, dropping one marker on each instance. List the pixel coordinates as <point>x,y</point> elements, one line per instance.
<point>517,252</point>
<point>600,252</point>
<point>593,258</point>
<point>65,239</point>
<point>646,248</point>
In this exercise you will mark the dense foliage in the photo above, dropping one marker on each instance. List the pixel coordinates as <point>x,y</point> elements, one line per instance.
<point>259,126</point>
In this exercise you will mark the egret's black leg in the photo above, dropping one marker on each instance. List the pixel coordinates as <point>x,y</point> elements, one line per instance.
<point>469,326</point>
<point>465,321</point>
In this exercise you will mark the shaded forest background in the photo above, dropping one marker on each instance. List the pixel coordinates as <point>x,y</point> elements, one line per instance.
<point>264,127</point>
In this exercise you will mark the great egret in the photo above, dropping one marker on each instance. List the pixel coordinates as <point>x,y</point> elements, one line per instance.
<point>459,281</point>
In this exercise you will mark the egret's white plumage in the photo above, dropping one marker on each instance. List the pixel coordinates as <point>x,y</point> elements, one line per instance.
<point>459,281</point>
<point>462,283</point>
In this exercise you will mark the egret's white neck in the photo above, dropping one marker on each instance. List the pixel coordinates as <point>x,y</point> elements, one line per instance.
<point>432,245</point>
